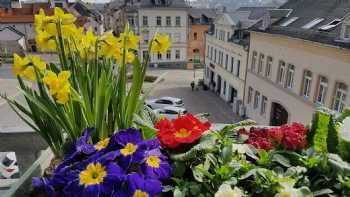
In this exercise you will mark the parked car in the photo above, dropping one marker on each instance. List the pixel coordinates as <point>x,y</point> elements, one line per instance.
<point>171,112</point>
<point>164,102</point>
<point>8,166</point>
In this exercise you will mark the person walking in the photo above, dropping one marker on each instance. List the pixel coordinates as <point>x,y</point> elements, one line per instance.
<point>192,85</point>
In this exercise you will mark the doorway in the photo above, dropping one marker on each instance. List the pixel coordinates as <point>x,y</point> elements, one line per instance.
<point>279,115</point>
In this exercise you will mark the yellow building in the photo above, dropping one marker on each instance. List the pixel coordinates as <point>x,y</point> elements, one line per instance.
<point>299,63</point>
<point>199,24</point>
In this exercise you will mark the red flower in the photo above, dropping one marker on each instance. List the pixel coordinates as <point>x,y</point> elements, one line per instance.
<point>183,130</point>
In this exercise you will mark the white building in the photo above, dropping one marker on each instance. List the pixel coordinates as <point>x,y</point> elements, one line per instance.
<point>227,55</point>
<point>166,17</point>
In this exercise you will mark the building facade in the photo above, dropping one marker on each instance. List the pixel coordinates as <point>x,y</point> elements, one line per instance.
<point>164,17</point>
<point>299,63</point>
<point>227,55</point>
<point>200,20</point>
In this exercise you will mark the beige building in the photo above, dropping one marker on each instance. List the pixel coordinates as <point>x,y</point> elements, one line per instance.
<point>227,54</point>
<point>299,63</point>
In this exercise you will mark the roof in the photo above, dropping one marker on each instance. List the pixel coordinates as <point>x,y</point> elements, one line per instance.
<point>306,11</point>
<point>86,9</point>
<point>199,12</point>
<point>9,34</point>
<point>163,4</point>
<point>5,3</point>
<point>246,17</point>
<point>17,19</point>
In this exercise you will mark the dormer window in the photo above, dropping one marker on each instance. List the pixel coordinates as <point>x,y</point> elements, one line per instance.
<point>330,25</point>
<point>289,21</point>
<point>312,23</point>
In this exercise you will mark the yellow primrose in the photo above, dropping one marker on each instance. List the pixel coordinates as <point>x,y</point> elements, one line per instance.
<point>131,40</point>
<point>160,44</point>
<point>59,85</point>
<point>110,46</point>
<point>63,18</point>
<point>45,41</point>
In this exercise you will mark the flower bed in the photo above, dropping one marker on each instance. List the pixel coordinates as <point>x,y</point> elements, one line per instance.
<point>110,144</point>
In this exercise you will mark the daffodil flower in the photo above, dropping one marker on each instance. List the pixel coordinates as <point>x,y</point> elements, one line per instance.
<point>41,21</point>
<point>59,85</point>
<point>129,57</point>
<point>63,18</point>
<point>25,67</point>
<point>45,41</point>
<point>110,46</point>
<point>131,40</point>
<point>160,44</point>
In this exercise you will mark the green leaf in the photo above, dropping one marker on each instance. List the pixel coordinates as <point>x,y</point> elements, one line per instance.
<point>319,132</point>
<point>322,192</point>
<point>178,193</point>
<point>263,157</point>
<point>178,169</point>
<point>281,160</point>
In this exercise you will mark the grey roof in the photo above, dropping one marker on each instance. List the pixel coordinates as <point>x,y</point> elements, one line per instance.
<point>246,17</point>
<point>199,12</point>
<point>308,10</point>
<point>5,35</point>
<point>5,3</point>
<point>86,9</point>
<point>163,4</point>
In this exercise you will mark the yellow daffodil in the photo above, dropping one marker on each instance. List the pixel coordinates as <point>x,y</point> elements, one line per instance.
<point>110,46</point>
<point>19,64</point>
<point>41,21</point>
<point>63,18</point>
<point>160,44</point>
<point>38,63</point>
<point>131,40</point>
<point>59,85</point>
<point>129,57</point>
<point>45,41</point>
<point>24,67</point>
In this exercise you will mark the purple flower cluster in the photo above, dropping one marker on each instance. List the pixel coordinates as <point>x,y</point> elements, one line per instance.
<point>123,165</point>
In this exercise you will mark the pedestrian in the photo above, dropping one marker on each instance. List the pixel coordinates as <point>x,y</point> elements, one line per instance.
<point>192,85</point>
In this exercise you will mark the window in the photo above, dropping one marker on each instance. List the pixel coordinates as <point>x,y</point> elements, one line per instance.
<point>208,48</point>
<point>289,21</point>
<point>145,21</point>
<point>290,76</point>
<point>330,25</point>
<point>261,63</point>
<point>144,54</point>
<point>211,53</point>
<point>268,66</point>
<point>159,21</point>
<point>347,32</point>
<point>215,56</point>
<point>159,56</point>
<point>232,63</point>
<point>322,90</point>
<point>177,54</point>
<point>254,60</point>
<point>145,37</point>
<point>256,99</point>
<point>250,95</point>
<point>263,105</point>
<point>131,21</point>
<point>178,21</point>
<point>177,37</point>
<point>195,36</point>
<point>168,21</point>
<point>228,36</point>
<point>161,101</point>
<point>224,90</point>
<point>168,55</point>
<point>307,83</point>
<point>280,73</point>
<point>312,23</point>
<point>226,61</point>
<point>339,97</point>
<point>238,68</point>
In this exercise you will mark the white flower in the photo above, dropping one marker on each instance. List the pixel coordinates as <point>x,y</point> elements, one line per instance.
<point>226,191</point>
<point>288,191</point>
<point>344,129</point>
